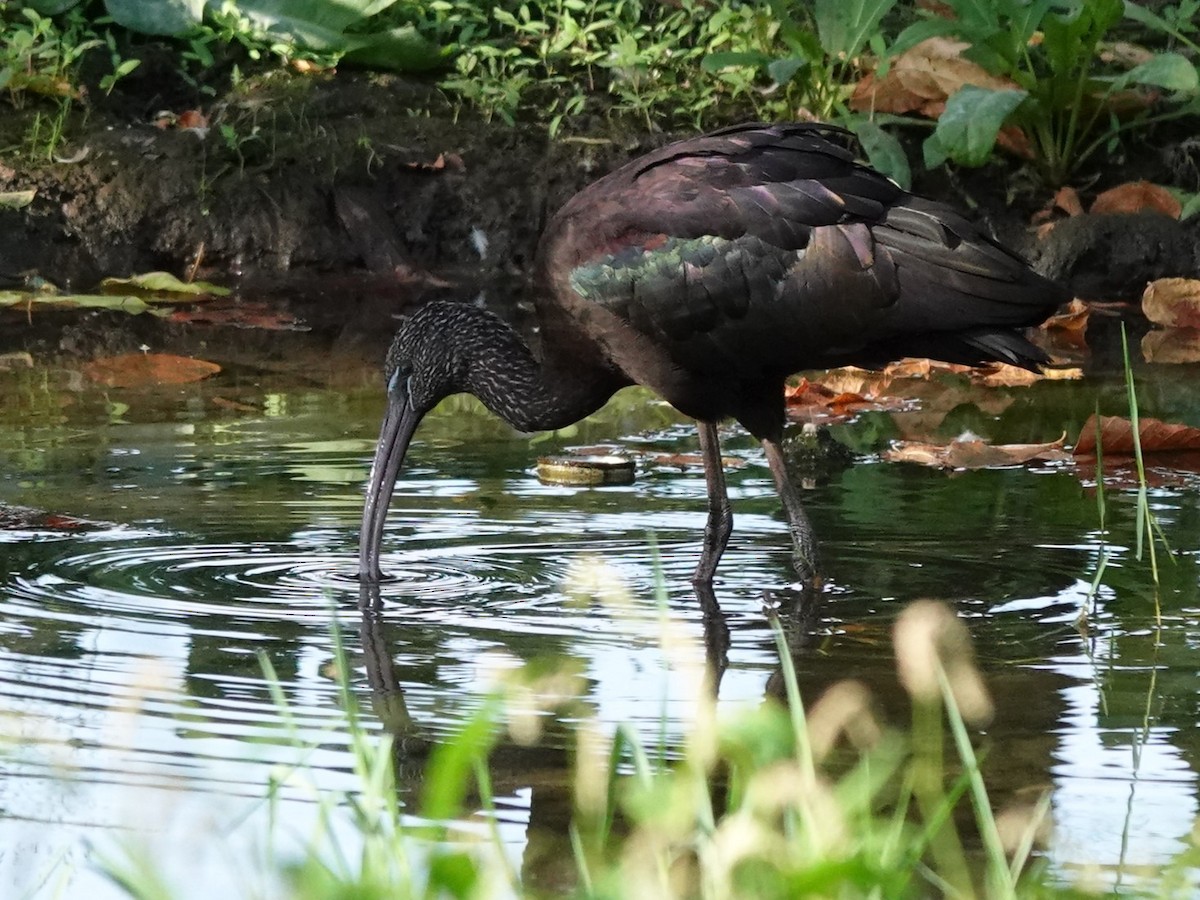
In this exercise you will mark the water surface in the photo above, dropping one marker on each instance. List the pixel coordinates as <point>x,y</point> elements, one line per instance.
<point>171,535</point>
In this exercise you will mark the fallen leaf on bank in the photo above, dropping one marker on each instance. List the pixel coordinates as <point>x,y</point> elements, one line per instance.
<point>1172,346</point>
<point>16,199</point>
<point>191,118</point>
<point>46,85</point>
<point>1137,196</point>
<point>1065,200</point>
<point>973,453</point>
<point>922,78</point>
<point>163,285</point>
<point>451,161</point>
<point>1126,54</point>
<point>144,369</point>
<point>1117,437</point>
<point>1174,302</point>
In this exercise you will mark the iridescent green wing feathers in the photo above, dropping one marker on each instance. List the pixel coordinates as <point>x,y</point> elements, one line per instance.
<point>774,241</point>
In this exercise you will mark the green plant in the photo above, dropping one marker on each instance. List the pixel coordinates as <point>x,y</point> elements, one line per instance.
<point>38,54</point>
<point>46,131</point>
<point>820,43</point>
<point>1064,98</point>
<point>662,64</point>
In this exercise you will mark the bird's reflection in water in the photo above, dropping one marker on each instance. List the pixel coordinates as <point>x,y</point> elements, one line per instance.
<point>541,772</point>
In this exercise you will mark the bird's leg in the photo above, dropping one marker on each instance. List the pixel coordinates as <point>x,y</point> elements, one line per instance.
<point>720,515</point>
<point>716,638</point>
<point>803,538</point>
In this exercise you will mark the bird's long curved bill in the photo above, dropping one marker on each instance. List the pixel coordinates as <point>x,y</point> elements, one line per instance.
<point>399,423</point>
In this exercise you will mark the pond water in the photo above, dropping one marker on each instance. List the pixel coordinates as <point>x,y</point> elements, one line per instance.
<point>172,534</point>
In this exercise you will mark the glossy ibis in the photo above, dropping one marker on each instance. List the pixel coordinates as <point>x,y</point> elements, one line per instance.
<point>709,271</point>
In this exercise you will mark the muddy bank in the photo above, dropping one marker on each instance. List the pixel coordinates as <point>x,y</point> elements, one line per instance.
<point>329,196</point>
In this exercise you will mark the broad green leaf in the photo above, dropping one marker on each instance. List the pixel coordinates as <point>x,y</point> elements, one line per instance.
<point>782,70</point>
<point>39,299</point>
<point>166,17</point>
<point>162,283</point>
<point>845,25</point>
<point>884,152</point>
<point>966,131</point>
<point>398,50</point>
<point>979,19</point>
<point>1166,70</point>
<point>1069,41</point>
<point>51,7</point>
<point>321,17</point>
<point>1140,14</point>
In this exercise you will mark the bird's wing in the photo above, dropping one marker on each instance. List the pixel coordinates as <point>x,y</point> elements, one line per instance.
<point>765,249</point>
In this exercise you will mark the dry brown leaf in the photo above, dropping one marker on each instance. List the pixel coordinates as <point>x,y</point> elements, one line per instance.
<point>922,78</point>
<point>1005,375</point>
<point>974,453</point>
<point>1174,302</point>
<point>1126,54</point>
<point>1044,229</point>
<point>1071,322</point>
<point>1013,139</point>
<point>938,8</point>
<point>191,118</point>
<point>144,369</point>
<point>1067,199</point>
<point>1116,436</point>
<point>1137,196</point>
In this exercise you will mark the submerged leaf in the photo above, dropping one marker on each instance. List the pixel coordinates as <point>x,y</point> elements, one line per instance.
<point>144,369</point>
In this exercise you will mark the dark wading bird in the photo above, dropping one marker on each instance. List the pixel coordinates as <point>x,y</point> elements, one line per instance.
<point>709,271</point>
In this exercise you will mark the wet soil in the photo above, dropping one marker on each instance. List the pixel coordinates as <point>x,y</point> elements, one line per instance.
<point>333,197</point>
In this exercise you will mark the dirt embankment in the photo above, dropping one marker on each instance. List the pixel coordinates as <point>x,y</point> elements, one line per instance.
<point>332,187</point>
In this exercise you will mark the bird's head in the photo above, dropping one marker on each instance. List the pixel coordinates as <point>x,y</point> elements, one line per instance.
<point>422,368</point>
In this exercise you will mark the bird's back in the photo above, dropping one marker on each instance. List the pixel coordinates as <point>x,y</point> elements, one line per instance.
<point>724,262</point>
